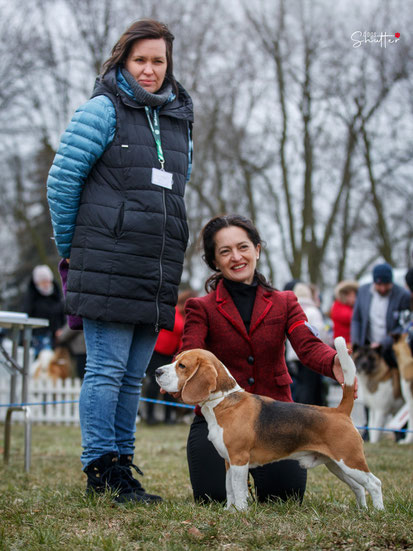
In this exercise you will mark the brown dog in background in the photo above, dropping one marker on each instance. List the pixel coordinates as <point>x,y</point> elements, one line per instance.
<point>404,358</point>
<point>53,364</point>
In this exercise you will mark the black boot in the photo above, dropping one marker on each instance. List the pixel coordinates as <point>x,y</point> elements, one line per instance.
<point>106,474</point>
<point>126,462</point>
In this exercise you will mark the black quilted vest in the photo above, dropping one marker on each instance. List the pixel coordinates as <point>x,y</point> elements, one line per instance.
<point>130,238</point>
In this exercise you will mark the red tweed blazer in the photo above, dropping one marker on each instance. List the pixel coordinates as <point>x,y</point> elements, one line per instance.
<point>256,360</point>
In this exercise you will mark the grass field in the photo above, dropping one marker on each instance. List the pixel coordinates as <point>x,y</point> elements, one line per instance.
<point>47,509</point>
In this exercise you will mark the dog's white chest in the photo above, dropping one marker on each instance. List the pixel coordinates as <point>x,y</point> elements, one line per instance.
<point>215,432</point>
<point>383,397</point>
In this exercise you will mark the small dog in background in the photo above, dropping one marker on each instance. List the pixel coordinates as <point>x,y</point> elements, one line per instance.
<point>404,358</point>
<point>379,387</point>
<point>52,364</point>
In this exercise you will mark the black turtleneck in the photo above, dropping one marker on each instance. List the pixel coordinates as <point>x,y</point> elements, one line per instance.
<point>243,296</point>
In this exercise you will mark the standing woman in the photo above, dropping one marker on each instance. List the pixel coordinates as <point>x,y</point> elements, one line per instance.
<point>341,313</point>
<point>244,322</point>
<point>116,196</point>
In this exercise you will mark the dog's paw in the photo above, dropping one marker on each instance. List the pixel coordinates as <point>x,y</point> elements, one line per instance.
<point>236,507</point>
<point>406,441</point>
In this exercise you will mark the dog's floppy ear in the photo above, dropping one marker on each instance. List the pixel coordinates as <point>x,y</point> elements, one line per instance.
<point>200,384</point>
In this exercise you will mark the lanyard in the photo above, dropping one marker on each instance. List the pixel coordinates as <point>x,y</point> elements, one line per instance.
<point>156,133</point>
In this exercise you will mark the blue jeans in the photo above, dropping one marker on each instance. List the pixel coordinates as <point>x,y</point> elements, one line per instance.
<point>117,357</point>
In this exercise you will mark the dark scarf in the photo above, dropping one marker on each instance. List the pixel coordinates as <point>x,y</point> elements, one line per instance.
<point>147,98</point>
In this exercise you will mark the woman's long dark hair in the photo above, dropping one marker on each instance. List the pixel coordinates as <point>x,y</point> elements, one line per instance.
<point>207,237</point>
<point>144,28</point>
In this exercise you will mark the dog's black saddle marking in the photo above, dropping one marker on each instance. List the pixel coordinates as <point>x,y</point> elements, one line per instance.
<point>286,423</point>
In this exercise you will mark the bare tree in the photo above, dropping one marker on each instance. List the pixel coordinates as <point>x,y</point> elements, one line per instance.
<point>295,128</point>
<point>315,212</point>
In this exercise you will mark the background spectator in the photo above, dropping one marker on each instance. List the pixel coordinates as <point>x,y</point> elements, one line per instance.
<point>377,310</point>
<point>341,313</point>
<point>309,386</point>
<point>44,300</point>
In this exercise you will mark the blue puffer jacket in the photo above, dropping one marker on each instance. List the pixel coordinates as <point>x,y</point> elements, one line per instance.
<point>88,135</point>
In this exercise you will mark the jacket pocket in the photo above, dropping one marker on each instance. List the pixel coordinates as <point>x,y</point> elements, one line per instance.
<point>119,221</point>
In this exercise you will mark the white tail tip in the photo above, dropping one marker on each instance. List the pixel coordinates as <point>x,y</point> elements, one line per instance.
<point>347,364</point>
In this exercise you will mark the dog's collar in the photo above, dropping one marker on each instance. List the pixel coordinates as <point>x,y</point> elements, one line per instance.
<point>216,397</point>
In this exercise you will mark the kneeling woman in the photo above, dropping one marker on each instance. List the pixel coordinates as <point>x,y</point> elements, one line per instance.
<point>244,322</point>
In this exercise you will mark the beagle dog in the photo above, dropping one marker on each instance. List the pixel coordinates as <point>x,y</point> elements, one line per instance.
<point>248,430</point>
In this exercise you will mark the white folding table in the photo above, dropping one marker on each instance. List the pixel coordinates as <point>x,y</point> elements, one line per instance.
<point>21,327</point>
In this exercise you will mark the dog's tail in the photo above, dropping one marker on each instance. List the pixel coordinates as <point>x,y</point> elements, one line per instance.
<point>349,372</point>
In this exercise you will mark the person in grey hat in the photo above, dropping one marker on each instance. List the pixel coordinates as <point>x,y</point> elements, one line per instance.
<point>377,310</point>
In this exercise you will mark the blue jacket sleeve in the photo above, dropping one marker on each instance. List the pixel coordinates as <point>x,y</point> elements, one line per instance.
<point>89,133</point>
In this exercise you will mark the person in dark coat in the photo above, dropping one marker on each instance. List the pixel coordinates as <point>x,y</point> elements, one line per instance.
<point>244,321</point>
<point>377,310</point>
<point>116,196</point>
<point>44,300</point>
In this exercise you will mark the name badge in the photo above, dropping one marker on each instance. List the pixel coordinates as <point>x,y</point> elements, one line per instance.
<point>162,178</point>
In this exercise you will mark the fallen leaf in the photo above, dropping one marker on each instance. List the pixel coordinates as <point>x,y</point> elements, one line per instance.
<point>195,532</point>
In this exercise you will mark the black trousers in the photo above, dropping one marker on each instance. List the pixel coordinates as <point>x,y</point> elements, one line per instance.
<point>281,480</point>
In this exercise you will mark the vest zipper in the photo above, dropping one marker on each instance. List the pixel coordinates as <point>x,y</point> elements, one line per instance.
<point>160,263</point>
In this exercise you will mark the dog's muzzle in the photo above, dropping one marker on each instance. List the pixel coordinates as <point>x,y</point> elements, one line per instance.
<point>159,372</point>
<point>166,378</point>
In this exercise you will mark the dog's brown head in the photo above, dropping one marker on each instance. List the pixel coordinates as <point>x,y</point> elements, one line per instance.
<point>195,374</point>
